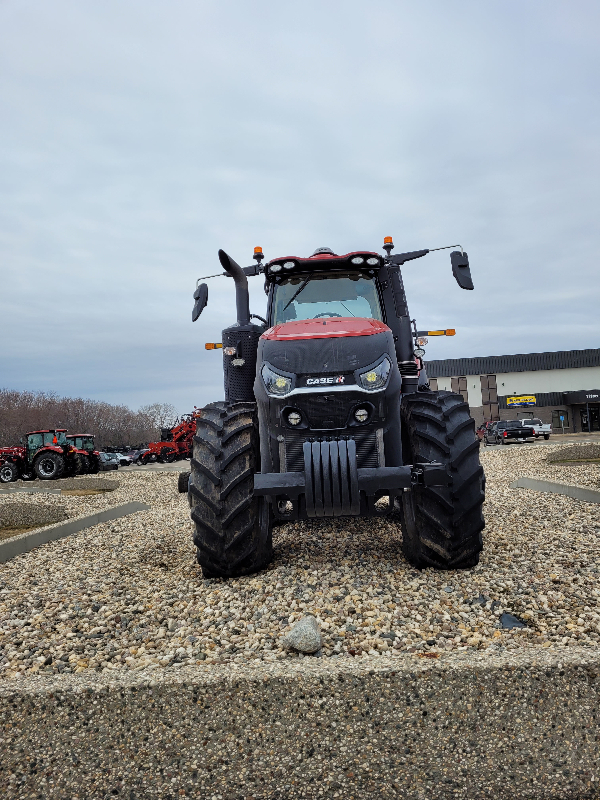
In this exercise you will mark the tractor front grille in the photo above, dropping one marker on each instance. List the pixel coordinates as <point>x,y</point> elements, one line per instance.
<point>366,448</point>
<point>328,411</point>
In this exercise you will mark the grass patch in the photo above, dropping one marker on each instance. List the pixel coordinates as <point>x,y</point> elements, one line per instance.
<point>574,462</point>
<point>83,492</point>
<point>8,533</point>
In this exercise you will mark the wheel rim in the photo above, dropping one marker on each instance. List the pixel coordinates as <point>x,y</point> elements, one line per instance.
<point>47,466</point>
<point>6,474</point>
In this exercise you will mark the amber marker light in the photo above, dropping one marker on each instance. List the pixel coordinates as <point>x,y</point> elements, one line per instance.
<point>213,345</point>
<point>388,240</point>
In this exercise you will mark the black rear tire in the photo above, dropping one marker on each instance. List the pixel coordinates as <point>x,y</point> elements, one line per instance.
<point>9,472</point>
<point>233,528</point>
<point>49,466</point>
<point>183,482</point>
<point>546,436</point>
<point>442,525</point>
<point>84,465</point>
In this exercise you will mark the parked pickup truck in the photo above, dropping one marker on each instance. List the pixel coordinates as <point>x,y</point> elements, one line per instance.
<point>507,431</point>
<point>538,427</point>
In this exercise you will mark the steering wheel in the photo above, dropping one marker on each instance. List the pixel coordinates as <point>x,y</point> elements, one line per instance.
<point>327,314</point>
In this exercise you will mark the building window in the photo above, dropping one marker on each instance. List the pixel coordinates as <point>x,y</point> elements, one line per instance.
<point>556,419</point>
<point>489,398</point>
<point>459,386</point>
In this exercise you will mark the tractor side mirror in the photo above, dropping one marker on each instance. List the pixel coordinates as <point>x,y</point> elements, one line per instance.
<point>461,269</point>
<point>201,298</point>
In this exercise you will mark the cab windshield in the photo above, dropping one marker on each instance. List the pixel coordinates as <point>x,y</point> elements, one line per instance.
<point>326,295</point>
<point>58,437</point>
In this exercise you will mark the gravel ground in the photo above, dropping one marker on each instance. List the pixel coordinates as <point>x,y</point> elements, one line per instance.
<point>128,595</point>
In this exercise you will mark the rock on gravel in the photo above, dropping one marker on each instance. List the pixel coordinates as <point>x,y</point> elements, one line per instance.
<point>305,636</point>
<point>128,595</point>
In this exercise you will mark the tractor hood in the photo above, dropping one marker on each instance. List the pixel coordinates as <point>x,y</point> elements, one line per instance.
<point>333,346</point>
<point>334,327</point>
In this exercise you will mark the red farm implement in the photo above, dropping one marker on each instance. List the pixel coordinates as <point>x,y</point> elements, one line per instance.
<point>175,443</point>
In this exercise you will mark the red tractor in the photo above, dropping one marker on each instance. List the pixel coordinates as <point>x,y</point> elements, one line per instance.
<point>175,442</point>
<point>46,455</point>
<point>89,458</point>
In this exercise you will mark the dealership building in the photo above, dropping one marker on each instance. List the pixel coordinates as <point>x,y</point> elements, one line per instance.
<point>561,388</point>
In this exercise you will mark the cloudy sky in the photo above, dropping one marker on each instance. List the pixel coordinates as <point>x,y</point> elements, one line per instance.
<point>138,137</point>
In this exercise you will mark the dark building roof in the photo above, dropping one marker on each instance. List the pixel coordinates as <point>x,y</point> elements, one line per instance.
<point>522,362</point>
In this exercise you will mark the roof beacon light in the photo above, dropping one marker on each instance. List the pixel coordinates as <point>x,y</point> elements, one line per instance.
<point>388,244</point>
<point>257,250</point>
<point>213,345</point>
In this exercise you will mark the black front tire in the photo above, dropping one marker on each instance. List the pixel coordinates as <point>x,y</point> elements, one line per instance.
<point>442,525</point>
<point>183,482</point>
<point>233,533</point>
<point>9,472</point>
<point>49,466</point>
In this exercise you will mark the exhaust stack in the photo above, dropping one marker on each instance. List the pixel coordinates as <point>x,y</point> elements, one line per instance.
<point>242,297</point>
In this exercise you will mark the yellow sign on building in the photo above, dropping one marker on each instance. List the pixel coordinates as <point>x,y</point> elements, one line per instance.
<point>523,400</point>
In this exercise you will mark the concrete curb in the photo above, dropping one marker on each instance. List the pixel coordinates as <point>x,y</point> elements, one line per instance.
<point>28,490</point>
<point>576,492</point>
<point>27,541</point>
<point>511,726</point>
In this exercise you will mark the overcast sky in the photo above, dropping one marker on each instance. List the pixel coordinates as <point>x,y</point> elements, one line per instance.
<point>136,138</point>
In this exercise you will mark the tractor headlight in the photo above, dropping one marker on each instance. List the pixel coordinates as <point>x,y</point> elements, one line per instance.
<point>275,268</point>
<point>375,377</point>
<point>357,260</point>
<point>278,385</point>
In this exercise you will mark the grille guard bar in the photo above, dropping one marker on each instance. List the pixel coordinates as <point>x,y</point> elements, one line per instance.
<point>332,484</point>
<point>370,481</point>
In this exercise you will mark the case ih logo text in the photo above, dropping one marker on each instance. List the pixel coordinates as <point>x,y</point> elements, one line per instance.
<point>324,381</point>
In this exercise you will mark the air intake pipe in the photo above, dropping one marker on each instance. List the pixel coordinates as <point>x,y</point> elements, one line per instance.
<point>242,297</point>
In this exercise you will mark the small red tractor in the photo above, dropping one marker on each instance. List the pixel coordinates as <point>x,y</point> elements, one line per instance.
<point>46,455</point>
<point>89,458</point>
<point>175,443</point>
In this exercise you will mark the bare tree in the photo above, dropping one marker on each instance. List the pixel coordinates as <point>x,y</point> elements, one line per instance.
<point>112,425</point>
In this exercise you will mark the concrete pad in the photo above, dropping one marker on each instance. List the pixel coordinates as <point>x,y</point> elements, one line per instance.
<point>28,490</point>
<point>510,726</point>
<point>576,492</point>
<point>27,541</point>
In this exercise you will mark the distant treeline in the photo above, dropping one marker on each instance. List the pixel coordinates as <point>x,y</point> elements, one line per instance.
<point>113,426</point>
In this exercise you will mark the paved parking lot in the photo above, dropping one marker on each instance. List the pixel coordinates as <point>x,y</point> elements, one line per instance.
<point>567,438</point>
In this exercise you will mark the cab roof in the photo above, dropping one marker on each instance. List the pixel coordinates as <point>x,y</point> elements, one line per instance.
<point>49,430</point>
<point>287,265</point>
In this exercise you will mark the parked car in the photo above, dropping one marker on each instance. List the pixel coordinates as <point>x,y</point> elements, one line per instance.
<point>137,457</point>
<point>539,428</point>
<point>109,461</point>
<point>507,431</point>
<point>124,460</point>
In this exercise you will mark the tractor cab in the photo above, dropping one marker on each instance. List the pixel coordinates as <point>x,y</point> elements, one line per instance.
<point>54,437</point>
<point>82,442</point>
<point>323,286</point>
<point>83,446</point>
